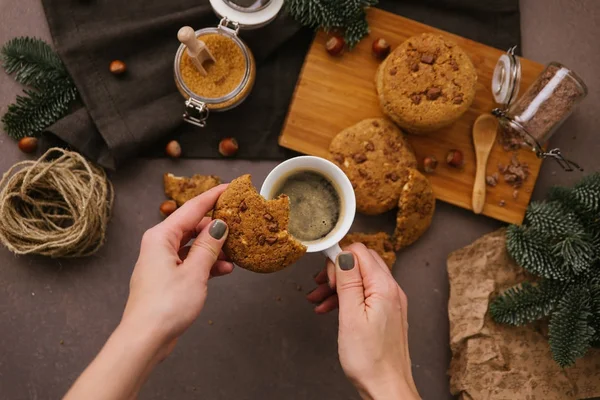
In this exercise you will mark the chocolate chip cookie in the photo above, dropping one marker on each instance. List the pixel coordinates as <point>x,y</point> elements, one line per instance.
<point>379,242</point>
<point>415,210</point>
<point>182,189</point>
<point>426,83</point>
<point>375,155</point>
<point>258,239</point>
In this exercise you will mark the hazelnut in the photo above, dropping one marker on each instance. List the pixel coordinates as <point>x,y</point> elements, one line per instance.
<point>117,67</point>
<point>168,207</point>
<point>430,163</point>
<point>173,149</point>
<point>228,147</point>
<point>381,48</point>
<point>455,158</point>
<point>28,144</point>
<point>335,45</point>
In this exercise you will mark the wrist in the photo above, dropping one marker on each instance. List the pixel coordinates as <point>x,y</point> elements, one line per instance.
<point>387,388</point>
<point>143,342</point>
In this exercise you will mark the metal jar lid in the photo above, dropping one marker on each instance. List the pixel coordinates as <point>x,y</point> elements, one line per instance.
<point>507,78</point>
<point>248,14</point>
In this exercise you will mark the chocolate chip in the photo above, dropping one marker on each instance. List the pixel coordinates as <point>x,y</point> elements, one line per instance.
<point>427,58</point>
<point>360,158</point>
<point>338,158</point>
<point>272,239</point>
<point>416,98</point>
<point>369,146</point>
<point>237,219</point>
<point>515,194</point>
<point>457,99</point>
<point>268,217</point>
<point>433,93</point>
<point>273,227</point>
<point>375,124</point>
<point>491,181</point>
<point>414,67</point>
<point>387,245</point>
<point>502,203</point>
<point>362,173</point>
<point>261,239</point>
<point>393,71</point>
<point>392,176</point>
<point>243,206</point>
<point>453,64</point>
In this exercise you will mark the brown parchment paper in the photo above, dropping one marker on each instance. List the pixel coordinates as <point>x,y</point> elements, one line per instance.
<point>498,362</point>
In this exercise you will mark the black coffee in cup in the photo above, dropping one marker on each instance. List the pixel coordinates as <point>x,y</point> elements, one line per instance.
<point>314,204</point>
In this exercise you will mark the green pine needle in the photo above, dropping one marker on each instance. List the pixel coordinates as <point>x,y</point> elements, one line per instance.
<point>346,15</point>
<point>533,252</point>
<point>559,242</point>
<point>523,304</point>
<point>570,333</point>
<point>34,63</point>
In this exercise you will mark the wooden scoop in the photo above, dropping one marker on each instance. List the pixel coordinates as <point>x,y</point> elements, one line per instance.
<point>484,136</point>
<point>196,49</point>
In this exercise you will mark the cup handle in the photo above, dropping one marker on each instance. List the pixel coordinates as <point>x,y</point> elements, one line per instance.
<point>333,252</point>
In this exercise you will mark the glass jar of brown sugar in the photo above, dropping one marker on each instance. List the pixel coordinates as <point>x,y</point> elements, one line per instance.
<point>533,118</point>
<point>229,79</point>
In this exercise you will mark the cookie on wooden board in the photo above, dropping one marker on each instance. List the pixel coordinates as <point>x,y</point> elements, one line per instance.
<point>182,189</point>
<point>415,210</point>
<point>379,242</point>
<point>258,239</point>
<point>426,83</point>
<point>375,155</point>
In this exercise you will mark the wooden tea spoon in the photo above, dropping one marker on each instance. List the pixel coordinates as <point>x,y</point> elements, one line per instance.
<point>196,49</point>
<point>484,136</point>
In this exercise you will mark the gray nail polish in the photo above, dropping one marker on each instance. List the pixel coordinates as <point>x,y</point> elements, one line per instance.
<point>346,261</point>
<point>217,229</point>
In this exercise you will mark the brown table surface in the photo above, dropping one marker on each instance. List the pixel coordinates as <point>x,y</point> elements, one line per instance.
<point>55,315</point>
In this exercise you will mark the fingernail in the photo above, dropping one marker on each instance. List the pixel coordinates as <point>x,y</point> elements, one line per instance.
<point>217,229</point>
<point>345,261</point>
<point>310,291</point>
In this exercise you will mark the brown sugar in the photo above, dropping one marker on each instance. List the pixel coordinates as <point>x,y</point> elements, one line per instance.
<point>223,76</point>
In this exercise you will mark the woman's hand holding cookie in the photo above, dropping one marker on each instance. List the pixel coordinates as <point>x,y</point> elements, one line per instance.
<point>373,325</point>
<point>169,283</point>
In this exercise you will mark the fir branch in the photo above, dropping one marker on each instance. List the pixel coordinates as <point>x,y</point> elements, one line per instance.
<point>346,15</point>
<point>570,333</point>
<point>35,111</point>
<point>523,304</point>
<point>533,252</point>
<point>576,251</point>
<point>33,62</point>
<point>552,219</point>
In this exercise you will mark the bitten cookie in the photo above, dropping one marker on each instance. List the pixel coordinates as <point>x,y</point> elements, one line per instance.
<point>426,83</point>
<point>378,242</point>
<point>375,155</point>
<point>415,210</point>
<point>258,239</point>
<point>182,189</point>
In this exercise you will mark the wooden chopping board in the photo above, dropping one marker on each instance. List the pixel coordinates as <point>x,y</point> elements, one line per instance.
<point>333,93</point>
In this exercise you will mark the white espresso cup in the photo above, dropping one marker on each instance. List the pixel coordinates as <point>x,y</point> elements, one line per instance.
<point>329,244</point>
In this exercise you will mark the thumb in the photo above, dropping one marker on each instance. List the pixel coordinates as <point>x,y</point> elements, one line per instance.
<point>206,248</point>
<point>349,283</point>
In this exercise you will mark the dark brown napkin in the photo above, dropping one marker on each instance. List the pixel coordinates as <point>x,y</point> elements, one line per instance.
<point>136,114</point>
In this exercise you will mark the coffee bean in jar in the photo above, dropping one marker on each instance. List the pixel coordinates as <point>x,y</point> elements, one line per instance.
<point>222,82</point>
<point>536,115</point>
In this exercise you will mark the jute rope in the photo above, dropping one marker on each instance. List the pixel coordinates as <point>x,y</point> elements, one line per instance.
<point>57,206</point>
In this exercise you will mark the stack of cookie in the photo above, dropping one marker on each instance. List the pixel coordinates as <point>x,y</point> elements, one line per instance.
<point>381,166</point>
<point>424,85</point>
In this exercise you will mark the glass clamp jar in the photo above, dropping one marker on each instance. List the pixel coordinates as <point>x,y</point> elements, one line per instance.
<point>229,80</point>
<point>540,111</point>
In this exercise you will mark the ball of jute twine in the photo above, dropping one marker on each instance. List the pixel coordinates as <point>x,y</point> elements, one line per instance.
<point>57,206</point>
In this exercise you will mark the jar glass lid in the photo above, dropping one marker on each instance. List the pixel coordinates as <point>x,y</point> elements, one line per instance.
<point>249,14</point>
<point>507,78</point>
